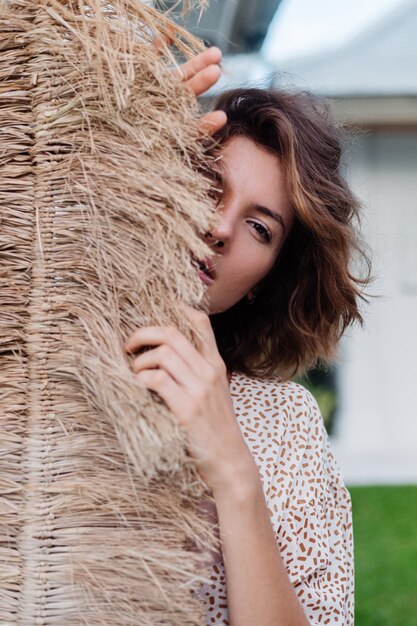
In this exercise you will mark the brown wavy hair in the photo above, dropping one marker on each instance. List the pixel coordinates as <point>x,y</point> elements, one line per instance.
<point>310,296</point>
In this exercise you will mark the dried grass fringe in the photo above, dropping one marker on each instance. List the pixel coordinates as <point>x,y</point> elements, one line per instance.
<point>100,209</point>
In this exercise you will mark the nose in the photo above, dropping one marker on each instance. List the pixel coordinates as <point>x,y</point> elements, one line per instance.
<point>213,242</point>
<point>220,232</point>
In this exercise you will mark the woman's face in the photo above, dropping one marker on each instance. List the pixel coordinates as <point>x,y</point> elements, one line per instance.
<point>254,217</point>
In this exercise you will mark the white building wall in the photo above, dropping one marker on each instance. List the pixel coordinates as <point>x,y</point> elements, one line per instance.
<point>376,429</point>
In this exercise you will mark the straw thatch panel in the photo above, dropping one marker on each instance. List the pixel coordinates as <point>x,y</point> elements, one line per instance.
<point>100,209</point>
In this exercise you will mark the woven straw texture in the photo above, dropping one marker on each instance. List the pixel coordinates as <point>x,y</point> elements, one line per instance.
<point>100,210</point>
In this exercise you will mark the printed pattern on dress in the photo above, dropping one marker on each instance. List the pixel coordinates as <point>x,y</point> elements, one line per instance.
<point>306,497</point>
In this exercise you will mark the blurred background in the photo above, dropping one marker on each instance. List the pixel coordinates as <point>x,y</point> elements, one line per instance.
<point>362,56</point>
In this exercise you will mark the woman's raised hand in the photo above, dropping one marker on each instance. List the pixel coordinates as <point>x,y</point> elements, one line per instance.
<point>192,380</point>
<point>199,74</point>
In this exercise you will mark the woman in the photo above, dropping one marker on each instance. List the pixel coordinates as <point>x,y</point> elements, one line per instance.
<point>279,295</point>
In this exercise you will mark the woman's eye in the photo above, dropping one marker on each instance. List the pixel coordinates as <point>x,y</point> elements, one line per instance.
<point>264,232</point>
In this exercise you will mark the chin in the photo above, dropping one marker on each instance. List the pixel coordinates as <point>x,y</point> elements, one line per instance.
<point>215,308</point>
<point>212,305</point>
<point>207,305</point>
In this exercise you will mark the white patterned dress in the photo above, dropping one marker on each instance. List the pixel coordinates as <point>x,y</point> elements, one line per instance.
<point>307,500</point>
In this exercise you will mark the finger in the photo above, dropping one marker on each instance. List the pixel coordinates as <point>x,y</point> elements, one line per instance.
<point>211,56</point>
<point>170,335</point>
<point>165,387</point>
<point>205,337</point>
<point>210,123</point>
<point>164,357</point>
<point>164,40</point>
<point>202,81</point>
<point>161,44</point>
<point>150,336</point>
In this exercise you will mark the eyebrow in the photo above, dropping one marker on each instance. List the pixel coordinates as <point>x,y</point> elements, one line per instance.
<point>276,216</point>
<point>220,175</point>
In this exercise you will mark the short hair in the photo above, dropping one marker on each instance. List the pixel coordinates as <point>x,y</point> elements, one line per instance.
<point>310,296</point>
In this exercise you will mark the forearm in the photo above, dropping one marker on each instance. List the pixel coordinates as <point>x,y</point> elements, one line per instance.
<point>258,587</point>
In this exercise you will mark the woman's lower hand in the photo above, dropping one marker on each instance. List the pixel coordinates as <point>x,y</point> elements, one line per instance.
<point>193,383</point>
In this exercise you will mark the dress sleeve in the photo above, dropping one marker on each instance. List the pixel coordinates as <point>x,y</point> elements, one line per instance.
<point>310,510</point>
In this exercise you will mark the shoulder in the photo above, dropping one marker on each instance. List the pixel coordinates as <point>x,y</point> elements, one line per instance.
<point>283,399</point>
<point>277,417</point>
<point>273,386</point>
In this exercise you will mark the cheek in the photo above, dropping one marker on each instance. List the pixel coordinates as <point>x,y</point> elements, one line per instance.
<point>263,260</point>
<point>269,262</point>
<point>253,268</point>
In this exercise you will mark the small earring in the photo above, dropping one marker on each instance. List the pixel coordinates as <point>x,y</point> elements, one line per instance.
<point>251,300</point>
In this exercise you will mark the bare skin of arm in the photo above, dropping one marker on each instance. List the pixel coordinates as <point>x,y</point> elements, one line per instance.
<point>194,384</point>
<point>258,588</point>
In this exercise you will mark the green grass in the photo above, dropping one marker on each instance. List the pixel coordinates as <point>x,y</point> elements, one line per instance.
<point>385,536</point>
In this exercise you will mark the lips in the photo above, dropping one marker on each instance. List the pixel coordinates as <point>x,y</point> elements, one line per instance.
<point>207,266</point>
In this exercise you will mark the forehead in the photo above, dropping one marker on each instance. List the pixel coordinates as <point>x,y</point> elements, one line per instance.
<point>241,152</point>
<point>254,172</point>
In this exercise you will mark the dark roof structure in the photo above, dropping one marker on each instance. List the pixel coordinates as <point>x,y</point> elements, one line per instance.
<point>235,26</point>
